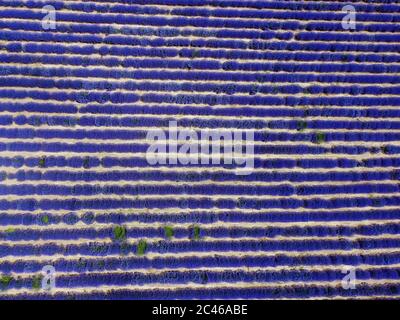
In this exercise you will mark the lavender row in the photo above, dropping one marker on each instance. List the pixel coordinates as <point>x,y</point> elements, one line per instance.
<point>209,111</point>
<point>164,190</point>
<point>207,99</point>
<point>162,32</point>
<point>204,277</point>
<point>59,48</point>
<point>162,247</point>
<point>228,88</point>
<point>196,43</point>
<point>109,162</point>
<point>190,64</point>
<point>202,190</point>
<point>185,16</point>
<point>142,148</point>
<point>383,5</point>
<point>221,33</point>
<point>134,122</point>
<point>87,264</point>
<point>220,15</point>
<point>258,100</point>
<point>198,76</point>
<point>137,8</point>
<point>99,234</point>
<point>89,218</point>
<point>135,109</point>
<point>111,134</point>
<point>330,36</point>
<point>31,204</point>
<point>158,175</point>
<point>364,290</point>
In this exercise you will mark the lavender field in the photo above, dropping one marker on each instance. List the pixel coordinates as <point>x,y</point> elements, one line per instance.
<point>311,211</point>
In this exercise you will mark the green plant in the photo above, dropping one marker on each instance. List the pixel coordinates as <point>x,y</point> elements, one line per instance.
<point>141,248</point>
<point>169,232</point>
<point>120,233</point>
<point>301,125</point>
<point>320,137</point>
<point>45,219</point>
<point>42,162</point>
<point>37,282</point>
<point>5,281</point>
<point>196,232</point>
